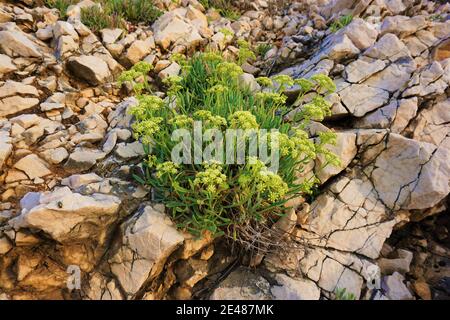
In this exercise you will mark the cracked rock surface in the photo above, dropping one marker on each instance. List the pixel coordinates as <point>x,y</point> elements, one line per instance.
<point>68,156</point>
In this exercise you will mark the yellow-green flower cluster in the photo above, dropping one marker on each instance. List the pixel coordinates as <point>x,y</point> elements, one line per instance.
<point>304,147</point>
<point>145,129</point>
<point>151,161</point>
<point>264,81</point>
<point>182,121</point>
<point>218,88</point>
<point>327,138</point>
<point>271,97</point>
<point>305,84</point>
<point>139,70</point>
<point>245,52</point>
<point>283,81</point>
<point>265,181</point>
<point>229,70</point>
<point>210,119</point>
<point>179,58</point>
<point>297,145</point>
<point>227,32</point>
<point>166,168</point>
<point>212,57</point>
<point>146,107</point>
<point>211,179</point>
<point>285,144</point>
<point>174,84</point>
<point>324,82</point>
<point>317,109</point>
<point>243,120</point>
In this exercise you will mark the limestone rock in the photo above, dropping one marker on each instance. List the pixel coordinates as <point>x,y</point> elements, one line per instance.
<point>294,289</point>
<point>172,28</point>
<point>395,288</point>
<point>396,116</point>
<point>361,33</point>
<point>345,149</point>
<point>130,150</point>
<point>110,35</point>
<point>339,47</point>
<point>5,147</point>
<point>172,70</point>
<point>101,288</point>
<point>67,216</point>
<point>433,124</point>
<point>139,49</point>
<point>242,284</point>
<point>363,68</point>
<point>402,25</point>
<point>33,166</point>
<point>361,98</point>
<point>17,44</point>
<point>83,159</point>
<point>149,237</point>
<point>89,68</point>
<point>6,64</point>
<point>411,175</point>
<point>388,47</point>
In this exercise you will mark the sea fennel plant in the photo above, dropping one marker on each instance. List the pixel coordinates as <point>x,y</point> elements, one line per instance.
<point>220,196</point>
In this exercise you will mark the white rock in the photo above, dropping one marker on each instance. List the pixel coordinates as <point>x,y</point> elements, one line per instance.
<point>139,49</point>
<point>361,99</point>
<point>361,33</point>
<point>149,237</point>
<point>338,47</point>
<point>389,47</point>
<point>173,28</point>
<point>6,64</point>
<point>294,289</point>
<point>247,80</point>
<point>395,289</point>
<point>78,180</point>
<point>5,147</point>
<point>110,35</point>
<point>242,284</point>
<point>65,45</point>
<point>394,77</point>
<point>89,68</point>
<point>17,44</point>
<point>33,166</point>
<point>62,28</point>
<point>345,149</point>
<point>396,116</point>
<point>45,34</point>
<point>411,175</point>
<point>433,124</point>
<point>100,288</point>
<point>55,156</point>
<point>68,216</point>
<point>402,25</point>
<point>130,150</point>
<point>83,159</point>
<point>363,68</point>
<point>11,88</point>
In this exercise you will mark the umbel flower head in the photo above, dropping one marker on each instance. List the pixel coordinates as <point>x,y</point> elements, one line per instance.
<point>166,168</point>
<point>146,129</point>
<point>243,120</point>
<point>266,182</point>
<point>209,119</point>
<point>211,179</point>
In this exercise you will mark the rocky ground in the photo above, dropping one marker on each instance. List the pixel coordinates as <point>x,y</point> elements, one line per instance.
<point>67,155</point>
